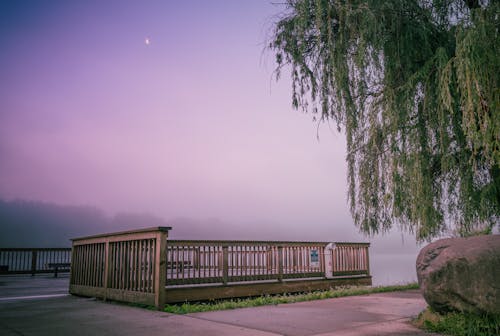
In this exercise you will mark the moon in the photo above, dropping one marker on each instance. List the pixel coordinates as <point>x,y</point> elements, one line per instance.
<point>147,41</point>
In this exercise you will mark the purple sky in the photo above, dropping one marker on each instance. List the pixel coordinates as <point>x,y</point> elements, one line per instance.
<point>191,125</point>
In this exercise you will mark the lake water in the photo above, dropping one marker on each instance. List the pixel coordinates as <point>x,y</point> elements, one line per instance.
<point>391,269</point>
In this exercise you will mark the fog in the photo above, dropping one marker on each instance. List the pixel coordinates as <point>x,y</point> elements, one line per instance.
<point>188,129</point>
<point>39,224</point>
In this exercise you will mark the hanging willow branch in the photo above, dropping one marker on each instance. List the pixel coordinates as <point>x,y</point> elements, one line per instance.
<point>415,87</point>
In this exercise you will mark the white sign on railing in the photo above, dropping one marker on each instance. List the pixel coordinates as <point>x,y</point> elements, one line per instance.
<point>314,258</point>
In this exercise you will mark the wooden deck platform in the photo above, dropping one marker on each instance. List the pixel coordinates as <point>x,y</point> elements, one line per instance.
<point>143,266</point>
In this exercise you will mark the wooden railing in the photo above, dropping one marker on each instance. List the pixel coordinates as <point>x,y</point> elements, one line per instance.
<point>125,266</point>
<point>195,262</point>
<point>350,259</point>
<point>33,260</point>
<point>142,266</point>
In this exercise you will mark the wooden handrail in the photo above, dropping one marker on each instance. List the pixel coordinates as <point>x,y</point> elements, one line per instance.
<point>128,232</point>
<point>7,249</point>
<point>259,242</point>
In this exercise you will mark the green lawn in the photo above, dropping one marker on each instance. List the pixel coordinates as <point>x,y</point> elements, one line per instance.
<point>459,324</point>
<point>197,307</point>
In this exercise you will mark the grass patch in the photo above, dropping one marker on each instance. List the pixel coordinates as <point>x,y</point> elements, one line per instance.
<point>459,324</point>
<point>196,307</point>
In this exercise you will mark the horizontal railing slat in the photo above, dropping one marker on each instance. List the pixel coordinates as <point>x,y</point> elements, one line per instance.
<point>8,249</point>
<point>257,242</point>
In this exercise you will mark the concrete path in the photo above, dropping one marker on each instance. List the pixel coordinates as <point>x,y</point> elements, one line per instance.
<point>29,307</point>
<point>376,314</point>
<point>28,286</point>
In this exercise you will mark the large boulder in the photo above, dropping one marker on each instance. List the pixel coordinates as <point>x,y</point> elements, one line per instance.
<point>461,274</point>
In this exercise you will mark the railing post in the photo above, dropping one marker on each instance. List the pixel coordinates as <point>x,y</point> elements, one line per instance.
<point>323,261</point>
<point>367,260</point>
<point>334,260</point>
<point>72,265</point>
<point>33,262</point>
<point>225,265</point>
<point>107,270</point>
<point>280,263</point>
<point>160,269</point>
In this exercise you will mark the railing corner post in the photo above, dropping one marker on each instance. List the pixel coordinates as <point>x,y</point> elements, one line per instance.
<point>160,269</point>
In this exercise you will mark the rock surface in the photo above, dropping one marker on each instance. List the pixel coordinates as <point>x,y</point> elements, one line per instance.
<point>461,274</point>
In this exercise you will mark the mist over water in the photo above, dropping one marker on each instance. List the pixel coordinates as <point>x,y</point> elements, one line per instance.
<point>39,224</point>
<point>393,269</point>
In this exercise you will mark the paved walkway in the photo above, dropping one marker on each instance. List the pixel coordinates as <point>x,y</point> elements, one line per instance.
<point>26,309</point>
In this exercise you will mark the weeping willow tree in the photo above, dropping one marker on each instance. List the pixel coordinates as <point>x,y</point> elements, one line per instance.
<point>414,85</point>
